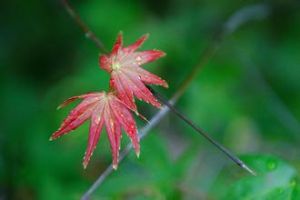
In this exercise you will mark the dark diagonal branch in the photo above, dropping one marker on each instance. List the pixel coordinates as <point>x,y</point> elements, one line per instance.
<point>230,155</point>
<point>239,18</point>
<point>87,31</point>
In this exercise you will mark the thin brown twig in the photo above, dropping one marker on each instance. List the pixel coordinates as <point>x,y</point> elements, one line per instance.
<point>87,31</point>
<point>229,154</point>
<point>246,14</point>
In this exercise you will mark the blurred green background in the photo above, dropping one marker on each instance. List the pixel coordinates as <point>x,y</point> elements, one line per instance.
<point>247,97</point>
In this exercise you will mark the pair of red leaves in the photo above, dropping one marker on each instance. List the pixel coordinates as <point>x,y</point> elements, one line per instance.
<point>113,109</point>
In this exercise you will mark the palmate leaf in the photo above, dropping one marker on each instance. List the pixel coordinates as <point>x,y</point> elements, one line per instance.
<point>112,110</point>
<point>127,76</point>
<point>103,109</point>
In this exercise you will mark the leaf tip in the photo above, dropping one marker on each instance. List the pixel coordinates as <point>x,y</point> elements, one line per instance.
<point>85,164</point>
<point>165,84</point>
<point>146,36</point>
<point>115,166</point>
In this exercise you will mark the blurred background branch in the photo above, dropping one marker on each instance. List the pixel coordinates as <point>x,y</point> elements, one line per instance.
<point>253,12</point>
<point>45,58</point>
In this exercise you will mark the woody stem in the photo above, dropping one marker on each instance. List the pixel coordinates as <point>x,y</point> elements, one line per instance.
<point>87,31</point>
<point>230,155</point>
<point>243,15</point>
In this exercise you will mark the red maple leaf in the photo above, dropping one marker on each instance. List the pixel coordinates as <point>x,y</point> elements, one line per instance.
<point>127,77</point>
<point>103,109</point>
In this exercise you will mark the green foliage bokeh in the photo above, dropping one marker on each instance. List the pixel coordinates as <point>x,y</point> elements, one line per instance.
<point>244,97</point>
